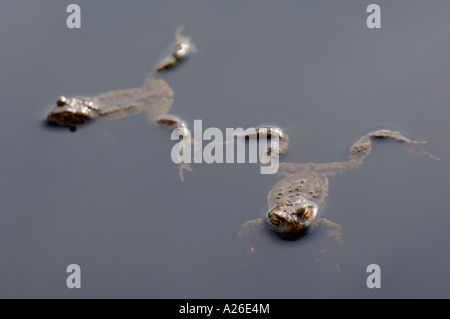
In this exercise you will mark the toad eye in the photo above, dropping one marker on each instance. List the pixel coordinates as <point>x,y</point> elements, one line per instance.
<point>61,101</point>
<point>304,212</point>
<point>307,213</point>
<point>275,220</point>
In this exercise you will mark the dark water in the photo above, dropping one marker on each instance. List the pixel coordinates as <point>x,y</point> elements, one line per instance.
<point>108,197</point>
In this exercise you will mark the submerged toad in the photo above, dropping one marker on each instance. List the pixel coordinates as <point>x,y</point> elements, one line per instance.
<point>295,201</point>
<point>154,97</point>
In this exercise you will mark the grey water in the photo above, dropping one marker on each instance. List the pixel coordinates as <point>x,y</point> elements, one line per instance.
<point>108,198</point>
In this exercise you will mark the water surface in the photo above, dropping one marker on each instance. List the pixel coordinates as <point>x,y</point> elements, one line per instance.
<point>108,198</point>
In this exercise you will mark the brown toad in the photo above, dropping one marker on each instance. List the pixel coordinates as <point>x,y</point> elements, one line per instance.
<point>295,201</point>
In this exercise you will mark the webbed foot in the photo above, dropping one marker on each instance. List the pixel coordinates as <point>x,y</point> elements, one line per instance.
<point>183,167</point>
<point>416,147</point>
<point>328,258</point>
<point>243,249</point>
